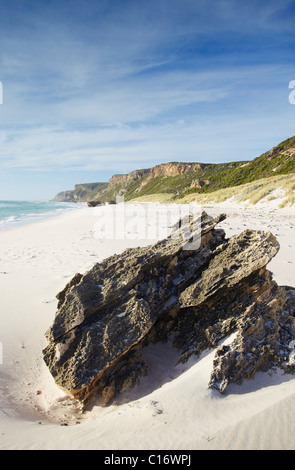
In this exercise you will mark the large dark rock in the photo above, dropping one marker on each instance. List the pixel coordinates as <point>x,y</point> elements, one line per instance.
<point>195,296</point>
<point>95,203</point>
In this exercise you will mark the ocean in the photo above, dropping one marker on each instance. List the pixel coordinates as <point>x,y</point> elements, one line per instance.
<point>16,213</point>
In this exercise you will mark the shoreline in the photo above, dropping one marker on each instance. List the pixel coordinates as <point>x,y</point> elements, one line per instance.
<point>172,407</point>
<point>231,204</point>
<point>34,218</point>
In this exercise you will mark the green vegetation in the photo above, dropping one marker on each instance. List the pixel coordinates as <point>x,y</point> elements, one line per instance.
<point>223,180</point>
<point>282,187</point>
<point>278,161</point>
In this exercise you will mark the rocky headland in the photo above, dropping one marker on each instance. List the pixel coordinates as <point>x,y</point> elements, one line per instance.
<point>193,297</point>
<point>178,180</point>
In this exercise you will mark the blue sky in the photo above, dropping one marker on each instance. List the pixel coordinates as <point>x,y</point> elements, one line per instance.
<point>93,88</point>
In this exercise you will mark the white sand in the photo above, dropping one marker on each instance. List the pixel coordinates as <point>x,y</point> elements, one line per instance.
<point>172,408</point>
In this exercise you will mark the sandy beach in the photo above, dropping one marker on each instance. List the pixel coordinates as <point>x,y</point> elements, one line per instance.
<point>172,408</point>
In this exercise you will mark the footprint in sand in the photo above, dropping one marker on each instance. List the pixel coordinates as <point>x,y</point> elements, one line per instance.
<point>65,411</point>
<point>157,409</point>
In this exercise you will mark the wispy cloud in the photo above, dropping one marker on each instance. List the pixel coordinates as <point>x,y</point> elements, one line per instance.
<point>121,85</point>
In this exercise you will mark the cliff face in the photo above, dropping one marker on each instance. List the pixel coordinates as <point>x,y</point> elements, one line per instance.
<point>124,180</point>
<point>119,184</point>
<point>174,169</point>
<point>165,169</point>
<point>81,193</point>
<point>171,169</point>
<point>182,178</point>
<point>65,196</point>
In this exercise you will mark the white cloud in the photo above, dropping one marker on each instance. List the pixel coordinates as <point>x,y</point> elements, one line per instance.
<point>138,86</point>
<point>125,147</point>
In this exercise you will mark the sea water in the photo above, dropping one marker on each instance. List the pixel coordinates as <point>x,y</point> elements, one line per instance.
<point>16,213</point>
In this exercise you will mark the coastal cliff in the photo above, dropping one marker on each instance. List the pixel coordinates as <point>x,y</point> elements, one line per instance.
<point>81,193</point>
<point>181,179</point>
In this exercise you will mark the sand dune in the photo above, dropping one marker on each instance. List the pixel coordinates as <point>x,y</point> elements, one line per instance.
<point>172,408</point>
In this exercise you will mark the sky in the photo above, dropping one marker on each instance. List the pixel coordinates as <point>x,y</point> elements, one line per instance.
<point>93,88</point>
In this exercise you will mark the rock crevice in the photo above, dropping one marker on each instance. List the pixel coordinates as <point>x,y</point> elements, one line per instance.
<point>194,296</point>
